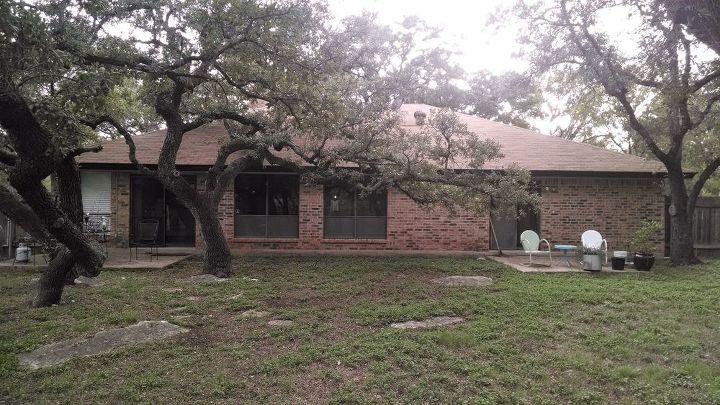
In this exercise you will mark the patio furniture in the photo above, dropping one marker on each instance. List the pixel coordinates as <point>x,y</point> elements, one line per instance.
<point>97,229</point>
<point>566,249</point>
<point>593,240</point>
<point>147,236</point>
<point>531,245</point>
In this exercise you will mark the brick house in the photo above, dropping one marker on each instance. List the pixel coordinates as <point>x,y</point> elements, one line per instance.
<point>582,187</point>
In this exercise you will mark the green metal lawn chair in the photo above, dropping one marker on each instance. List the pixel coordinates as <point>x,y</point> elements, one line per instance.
<point>531,245</point>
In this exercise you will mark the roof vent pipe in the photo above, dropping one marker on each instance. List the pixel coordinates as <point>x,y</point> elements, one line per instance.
<point>420,117</point>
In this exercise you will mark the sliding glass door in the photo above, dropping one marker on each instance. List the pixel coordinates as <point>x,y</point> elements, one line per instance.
<point>150,201</point>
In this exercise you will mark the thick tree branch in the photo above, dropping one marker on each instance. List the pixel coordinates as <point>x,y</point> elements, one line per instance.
<point>708,107</point>
<point>85,149</point>
<point>229,174</point>
<point>7,157</point>
<point>225,150</point>
<point>132,149</point>
<point>208,117</point>
<point>614,89</point>
<point>702,82</point>
<point>700,183</point>
<point>17,210</point>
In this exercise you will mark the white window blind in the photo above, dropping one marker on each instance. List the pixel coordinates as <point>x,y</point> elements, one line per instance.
<point>95,188</point>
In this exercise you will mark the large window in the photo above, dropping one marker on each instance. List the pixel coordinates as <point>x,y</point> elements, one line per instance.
<point>266,205</point>
<point>347,216</point>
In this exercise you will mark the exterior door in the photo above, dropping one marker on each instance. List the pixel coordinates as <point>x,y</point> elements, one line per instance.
<point>150,200</point>
<point>508,228</point>
<point>179,221</point>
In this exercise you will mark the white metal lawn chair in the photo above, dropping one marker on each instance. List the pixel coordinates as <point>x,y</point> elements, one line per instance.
<point>531,245</point>
<point>593,240</point>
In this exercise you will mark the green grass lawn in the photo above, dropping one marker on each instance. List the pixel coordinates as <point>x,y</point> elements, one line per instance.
<point>529,338</point>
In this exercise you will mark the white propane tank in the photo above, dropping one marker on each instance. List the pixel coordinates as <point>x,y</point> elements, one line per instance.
<point>22,254</point>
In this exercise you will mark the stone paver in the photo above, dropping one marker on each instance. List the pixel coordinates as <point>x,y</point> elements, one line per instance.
<point>254,313</point>
<point>101,342</point>
<point>428,323</point>
<point>280,322</point>
<point>478,281</point>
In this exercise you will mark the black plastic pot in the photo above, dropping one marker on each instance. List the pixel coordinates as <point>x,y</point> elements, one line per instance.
<point>618,263</point>
<point>643,262</point>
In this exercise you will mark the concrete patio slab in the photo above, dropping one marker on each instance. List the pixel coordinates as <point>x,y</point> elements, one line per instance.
<point>560,265</point>
<point>119,259</point>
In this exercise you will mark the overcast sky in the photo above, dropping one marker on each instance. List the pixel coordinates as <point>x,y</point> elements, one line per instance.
<point>463,23</point>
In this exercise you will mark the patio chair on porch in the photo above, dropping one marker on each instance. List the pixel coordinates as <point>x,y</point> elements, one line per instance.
<point>147,237</point>
<point>593,240</point>
<point>531,245</point>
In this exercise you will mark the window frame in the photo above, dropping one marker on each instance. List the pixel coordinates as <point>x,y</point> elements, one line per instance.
<point>354,217</point>
<point>267,214</point>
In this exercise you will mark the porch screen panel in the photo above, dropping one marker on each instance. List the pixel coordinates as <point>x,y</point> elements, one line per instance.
<point>250,197</point>
<point>339,207</point>
<point>371,217</point>
<point>267,205</point>
<point>147,197</point>
<point>283,206</point>
<point>350,216</point>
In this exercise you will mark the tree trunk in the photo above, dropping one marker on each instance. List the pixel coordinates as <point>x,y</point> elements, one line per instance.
<point>69,191</point>
<point>52,282</point>
<point>70,195</point>
<point>37,158</point>
<point>681,238</point>
<point>216,252</point>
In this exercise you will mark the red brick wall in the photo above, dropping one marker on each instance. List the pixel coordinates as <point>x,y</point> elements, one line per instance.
<point>612,206</point>
<point>120,205</point>
<point>409,227</point>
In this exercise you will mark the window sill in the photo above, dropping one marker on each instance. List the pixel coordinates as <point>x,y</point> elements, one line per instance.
<point>355,241</point>
<point>264,240</point>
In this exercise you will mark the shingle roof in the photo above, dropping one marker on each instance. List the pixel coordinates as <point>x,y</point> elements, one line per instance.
<point>199,147</point>
<point>529,149</point>
<point>537,152</point>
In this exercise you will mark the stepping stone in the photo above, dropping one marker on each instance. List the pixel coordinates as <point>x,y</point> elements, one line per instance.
<point>280,322</point>
<point>254,313</point>
<point>88,281</point>
<point>206,279</point>
<point>101,342</point>
<point>477,281</point>
<point>428,323</point>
